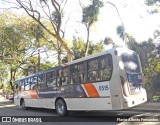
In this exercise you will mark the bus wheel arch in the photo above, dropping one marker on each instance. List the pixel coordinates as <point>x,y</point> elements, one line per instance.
<point>61,107</point>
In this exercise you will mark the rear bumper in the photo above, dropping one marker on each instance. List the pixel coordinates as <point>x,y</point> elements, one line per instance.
<point>134,100</point>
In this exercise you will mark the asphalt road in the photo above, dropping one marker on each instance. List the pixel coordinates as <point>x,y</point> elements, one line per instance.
<point>147,111</point>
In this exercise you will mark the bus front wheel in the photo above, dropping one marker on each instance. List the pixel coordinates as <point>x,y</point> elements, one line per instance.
<point>61,107</point>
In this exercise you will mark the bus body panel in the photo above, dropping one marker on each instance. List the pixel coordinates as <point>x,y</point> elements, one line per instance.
<point>88,103</point>
<point>115,85</point>
<point>40,103</point>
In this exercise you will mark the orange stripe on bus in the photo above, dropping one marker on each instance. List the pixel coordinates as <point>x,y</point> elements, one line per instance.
<point>33,94</point>
<point>91,90</point>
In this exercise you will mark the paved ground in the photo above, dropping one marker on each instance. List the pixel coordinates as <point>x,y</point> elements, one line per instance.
<point>146,110</point>
<point>151,111</point>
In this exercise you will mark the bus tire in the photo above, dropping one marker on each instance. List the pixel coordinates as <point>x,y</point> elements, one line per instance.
<point>23,106</point>
<point>61,107</point>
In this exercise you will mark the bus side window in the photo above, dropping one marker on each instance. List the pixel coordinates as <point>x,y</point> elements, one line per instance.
<point>27,84</point>
<point>93,68</point>
<point>40,79</point>
<point>59,77</point>
<point>99,69</point>
<point>34,84</point>
<point>21,85</point>
<point>77,73</point>
<point>63,76</point>
<point>51,79</point>
<point>105,67</point>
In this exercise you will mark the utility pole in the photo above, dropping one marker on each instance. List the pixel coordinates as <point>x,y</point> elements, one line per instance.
<point>124,32</point>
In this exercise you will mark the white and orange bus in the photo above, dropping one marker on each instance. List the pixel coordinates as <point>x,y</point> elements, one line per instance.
<point>109,80</point>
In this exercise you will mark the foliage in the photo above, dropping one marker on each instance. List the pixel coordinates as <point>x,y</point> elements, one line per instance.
<point>95,48</point>
<point>89,17</point>
<point>152,68</point>
<point>129,38</point>
<point>154,4</point>
<point>78,47</point>
<point>156,98</point>
<point>108,41</point>
<point>19,46</point>
<point>7,89</point>
<point>120,32</point>
<point>151,2</point>
<point>90,13</point>
<point>47,65</point>
<point>53,13</point>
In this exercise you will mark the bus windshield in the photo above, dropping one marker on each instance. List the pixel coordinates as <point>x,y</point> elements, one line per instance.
<point>131,62</point>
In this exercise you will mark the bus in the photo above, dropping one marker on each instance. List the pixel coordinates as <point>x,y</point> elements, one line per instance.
<point>109,80</point>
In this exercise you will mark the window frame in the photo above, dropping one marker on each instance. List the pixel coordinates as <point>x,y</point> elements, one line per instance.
<point>61,76</point>
<point>77,73</point>
<point>28,83</point>
<point>42,84</point>
<point>54,77</point>
<point>33,82</point>
<point>98,70</point>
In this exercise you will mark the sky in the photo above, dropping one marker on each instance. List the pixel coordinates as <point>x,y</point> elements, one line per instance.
<point>137,21</point>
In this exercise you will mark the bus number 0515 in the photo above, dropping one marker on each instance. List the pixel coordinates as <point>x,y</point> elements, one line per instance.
<point>103,88</point>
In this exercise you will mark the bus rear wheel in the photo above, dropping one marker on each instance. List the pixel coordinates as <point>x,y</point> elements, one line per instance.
<point>61,107</point>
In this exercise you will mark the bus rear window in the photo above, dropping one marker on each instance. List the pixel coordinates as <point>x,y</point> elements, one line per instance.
<point>131,62</point>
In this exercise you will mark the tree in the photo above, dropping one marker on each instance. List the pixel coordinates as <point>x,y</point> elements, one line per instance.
<point>151,2</point>
<point>78,48</point>
<point>108,41</point>
<point>16,41</point>
<point>19,47</point>
<point>120,32</point>
<point>53,11</point>
<point>3,74</point>
<point>155,4</point>
<point>156,35</point>
<point>12,52</point>
<point>152,72</point>
<point>48,65</point>
<point>90,16</point>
